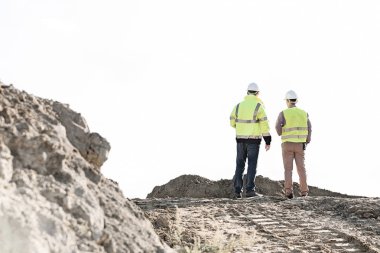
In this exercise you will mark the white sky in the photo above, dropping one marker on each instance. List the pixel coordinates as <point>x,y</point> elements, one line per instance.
<point>159,79</point>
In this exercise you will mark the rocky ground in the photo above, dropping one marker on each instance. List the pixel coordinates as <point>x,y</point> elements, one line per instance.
<point>53,196</point>
<point>194,214</point>
<point>266,224</point>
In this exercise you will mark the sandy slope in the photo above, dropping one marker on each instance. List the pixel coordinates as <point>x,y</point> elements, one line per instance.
<point>267,224</point>
<point>53,196</point>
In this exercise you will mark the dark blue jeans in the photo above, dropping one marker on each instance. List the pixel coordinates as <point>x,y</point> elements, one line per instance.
<point>251,151</point>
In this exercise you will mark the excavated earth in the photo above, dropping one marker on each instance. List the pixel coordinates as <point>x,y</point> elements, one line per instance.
<point>195,186</point>
<point>194,214</point>
<point>53,196</point>
<point>267,224</point>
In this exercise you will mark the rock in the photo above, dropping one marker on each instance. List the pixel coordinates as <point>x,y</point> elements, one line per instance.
<point>161,222</point>
<point>30,225</point>
<point>367,215</point>
<point>53,196</point>
<point>97,149</point>
<point>93,147</point>
<point>6,167</point>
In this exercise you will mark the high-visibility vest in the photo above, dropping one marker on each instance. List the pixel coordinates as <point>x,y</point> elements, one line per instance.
<point>295,128</point>
<point>249,119</point>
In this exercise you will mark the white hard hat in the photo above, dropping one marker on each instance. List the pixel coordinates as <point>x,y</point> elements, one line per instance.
<point>291,95</point>
<point>253,87</point>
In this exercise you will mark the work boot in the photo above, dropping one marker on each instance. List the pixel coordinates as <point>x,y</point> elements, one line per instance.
<point>289,195</point>
<point>250,194</point>
<point>237,195</point>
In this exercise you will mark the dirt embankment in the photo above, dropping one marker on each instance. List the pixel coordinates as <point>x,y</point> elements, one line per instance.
<point>53,196</point>
<point>193,186</point>
<point>193,214</point>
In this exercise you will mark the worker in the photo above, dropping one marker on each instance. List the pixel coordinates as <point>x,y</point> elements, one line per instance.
<point>294,127</point>
<point>251,124</point>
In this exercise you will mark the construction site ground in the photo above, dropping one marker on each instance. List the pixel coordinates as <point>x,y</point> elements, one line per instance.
<point>266,224</point>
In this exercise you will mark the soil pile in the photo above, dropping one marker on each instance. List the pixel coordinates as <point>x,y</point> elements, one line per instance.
<point>53,197</point>
<point>193,186</point>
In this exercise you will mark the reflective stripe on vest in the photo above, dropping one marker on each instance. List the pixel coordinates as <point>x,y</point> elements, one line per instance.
<point>237,111</point>
<point>246,121</point>
<point>256,110</point>
<point>294,129</point>
<point>293,137</point>
<point>248,137</point>
<point>263,119</point>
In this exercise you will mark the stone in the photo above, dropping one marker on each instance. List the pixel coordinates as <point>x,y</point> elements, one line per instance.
<point>6,167</point>
<point>97,149</point>
<point>53,196</point>
<point>92,146</point>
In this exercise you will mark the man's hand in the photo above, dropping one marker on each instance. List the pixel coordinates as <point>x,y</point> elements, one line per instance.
<point>267,147</point>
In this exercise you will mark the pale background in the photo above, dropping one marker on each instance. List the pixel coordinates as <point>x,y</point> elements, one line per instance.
<point>159,79</point>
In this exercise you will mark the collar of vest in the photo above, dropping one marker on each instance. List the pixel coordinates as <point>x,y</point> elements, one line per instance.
<point>253,97</point>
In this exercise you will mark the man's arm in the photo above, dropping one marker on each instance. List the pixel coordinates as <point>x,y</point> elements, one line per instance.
<point>233,118</point>
<point>264,126</point>
<point>280,123</point>
<point>308,139</point>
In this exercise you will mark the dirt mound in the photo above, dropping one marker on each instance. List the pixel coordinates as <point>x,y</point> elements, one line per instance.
<point>53,196</point>
<point>193,186</point>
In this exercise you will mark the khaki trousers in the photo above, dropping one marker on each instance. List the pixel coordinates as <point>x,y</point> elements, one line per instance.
<point>294,151</point>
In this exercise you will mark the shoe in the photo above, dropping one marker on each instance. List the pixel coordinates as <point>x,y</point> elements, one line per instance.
<point>289,195</point>
<point>237,195</point>
<point>304,194</point>
<point>250,194</point>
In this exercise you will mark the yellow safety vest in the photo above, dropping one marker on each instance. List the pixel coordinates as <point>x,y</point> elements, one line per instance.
<point>295,128</point>
<point>249,119</point>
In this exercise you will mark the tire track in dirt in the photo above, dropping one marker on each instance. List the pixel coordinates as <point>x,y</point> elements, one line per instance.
<point>304,234</point>
<point>265,224</point>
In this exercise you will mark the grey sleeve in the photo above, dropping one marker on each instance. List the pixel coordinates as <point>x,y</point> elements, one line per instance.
<point>280,123</point>
<point>308,139</point>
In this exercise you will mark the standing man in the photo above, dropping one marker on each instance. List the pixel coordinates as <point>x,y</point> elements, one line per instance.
<point>294,127</point>
<point>251,123</point>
